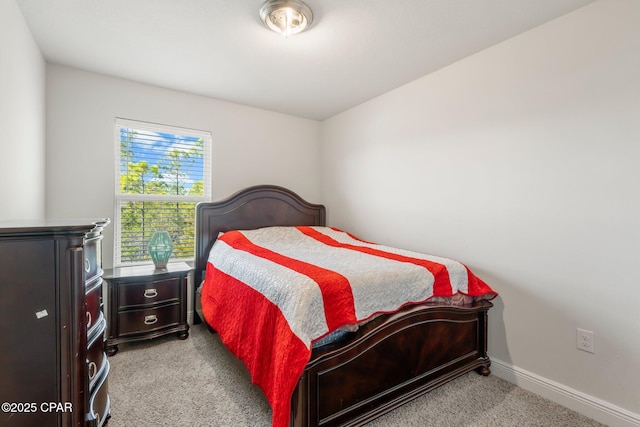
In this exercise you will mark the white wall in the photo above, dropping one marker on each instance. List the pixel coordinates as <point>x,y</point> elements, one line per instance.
<point>250,146</point>
<point>523,162</point>
<point>22,78</point>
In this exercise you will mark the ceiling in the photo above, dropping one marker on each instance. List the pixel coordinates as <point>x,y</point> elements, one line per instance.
<point>354,51</point>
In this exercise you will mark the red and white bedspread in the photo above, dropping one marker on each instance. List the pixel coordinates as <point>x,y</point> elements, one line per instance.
<point>271,292</point>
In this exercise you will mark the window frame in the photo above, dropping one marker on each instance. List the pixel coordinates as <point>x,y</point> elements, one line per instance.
<point>121,198</point>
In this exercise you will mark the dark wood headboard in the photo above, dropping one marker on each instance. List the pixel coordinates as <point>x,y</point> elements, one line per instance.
<point>251,208</point>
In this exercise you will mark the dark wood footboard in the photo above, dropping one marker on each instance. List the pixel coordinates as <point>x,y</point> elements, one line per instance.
<point>390,361</point>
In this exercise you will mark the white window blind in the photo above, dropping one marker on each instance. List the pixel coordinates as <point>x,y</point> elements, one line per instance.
<point>161,173</point>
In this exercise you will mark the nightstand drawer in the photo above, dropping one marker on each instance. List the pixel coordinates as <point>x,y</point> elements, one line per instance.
<point>138,321</point>
<point>155,292</point>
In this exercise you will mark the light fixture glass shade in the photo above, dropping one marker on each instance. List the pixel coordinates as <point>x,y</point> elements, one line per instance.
<point>286,16</point>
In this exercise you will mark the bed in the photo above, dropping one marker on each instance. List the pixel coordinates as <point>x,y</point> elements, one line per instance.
<point>359,375</point>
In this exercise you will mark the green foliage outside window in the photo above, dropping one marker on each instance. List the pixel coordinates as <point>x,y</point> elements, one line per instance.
<point>159,189</point>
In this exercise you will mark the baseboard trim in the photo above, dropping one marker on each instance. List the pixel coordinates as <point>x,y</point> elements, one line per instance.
<point>575,400</point>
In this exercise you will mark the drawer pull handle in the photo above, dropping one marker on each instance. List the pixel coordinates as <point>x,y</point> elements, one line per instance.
<point>87,265</point>
<point>150,293</point>
<point>88,319</point>
<point>150,319</point>
<point>93,370</point>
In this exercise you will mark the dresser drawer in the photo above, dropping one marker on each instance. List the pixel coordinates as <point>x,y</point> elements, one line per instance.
<point>94,304</point>
<point>92,258</point>
<point>145,320</point>
<point>95,356</point>
<point>99,400</point>
<point>148,293</point>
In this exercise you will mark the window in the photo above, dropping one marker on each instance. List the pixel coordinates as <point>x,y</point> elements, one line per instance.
<point>161,173</point>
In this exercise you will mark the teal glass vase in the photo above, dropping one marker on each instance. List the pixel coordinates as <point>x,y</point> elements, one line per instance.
<point>160,248</point>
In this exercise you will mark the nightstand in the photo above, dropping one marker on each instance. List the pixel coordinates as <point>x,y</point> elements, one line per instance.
<point>144,302</point>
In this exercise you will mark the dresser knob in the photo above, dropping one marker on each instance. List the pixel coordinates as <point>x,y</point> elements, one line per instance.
<point>87,265</point>
<point>150,319</point>
<point>150,293</point>
<point>93,370</point>
<point>88,319</point>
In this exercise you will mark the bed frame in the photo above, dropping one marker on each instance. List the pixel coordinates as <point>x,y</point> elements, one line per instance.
<point>387,362</point>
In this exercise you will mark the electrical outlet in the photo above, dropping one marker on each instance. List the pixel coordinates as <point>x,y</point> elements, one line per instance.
<point>584,340</point>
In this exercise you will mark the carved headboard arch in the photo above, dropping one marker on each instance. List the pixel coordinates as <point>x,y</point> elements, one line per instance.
<point>251,208</point>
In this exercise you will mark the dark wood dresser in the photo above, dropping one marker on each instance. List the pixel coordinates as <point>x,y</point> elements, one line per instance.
<point>53,366</point>
<point>145,302</point>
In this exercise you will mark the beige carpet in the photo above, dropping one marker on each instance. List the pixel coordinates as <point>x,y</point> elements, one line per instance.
<point>197,382</point>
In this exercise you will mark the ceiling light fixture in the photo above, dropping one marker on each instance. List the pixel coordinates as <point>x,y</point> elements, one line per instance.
<point>286,16</point>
